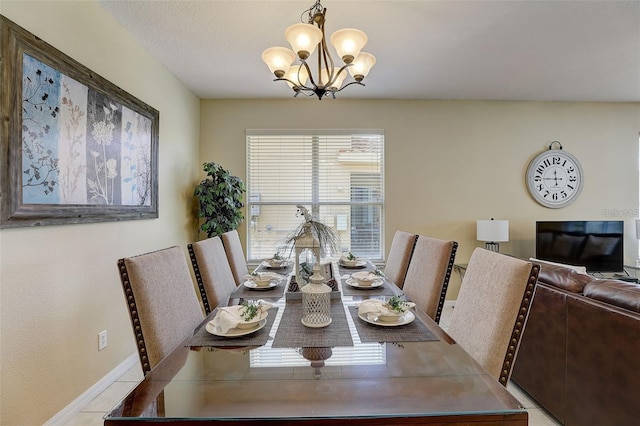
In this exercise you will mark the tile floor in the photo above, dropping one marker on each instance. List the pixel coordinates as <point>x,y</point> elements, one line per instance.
<point>91,415</point>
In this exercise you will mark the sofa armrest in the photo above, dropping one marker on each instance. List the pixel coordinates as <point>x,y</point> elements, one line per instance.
<point>615,292</point>
<point>563,278</point>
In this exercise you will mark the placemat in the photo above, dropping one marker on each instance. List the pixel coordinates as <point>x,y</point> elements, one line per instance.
<point>202,338</point>
<point>249,294</point>
<point>415,331</point>
<point>292,334</point>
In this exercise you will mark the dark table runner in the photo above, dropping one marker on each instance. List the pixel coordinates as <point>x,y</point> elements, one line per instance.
<point>292,333</point>
<point>202,338</point>
<point>415,331</point>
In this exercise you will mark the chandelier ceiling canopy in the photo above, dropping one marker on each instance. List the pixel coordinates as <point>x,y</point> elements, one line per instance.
<point>293,66</point>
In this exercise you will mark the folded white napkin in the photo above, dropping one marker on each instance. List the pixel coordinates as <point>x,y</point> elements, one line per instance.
<point>372,308</point>
<point>229,317</point>
<point>364,276</point>
<point>263,277</point>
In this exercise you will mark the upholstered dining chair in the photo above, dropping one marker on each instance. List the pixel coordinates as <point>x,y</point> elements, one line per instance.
<point>235,255</point>
<point>428,274</point>
<point>212,271</point>
<point>399,256</point>
<point>162,302</point>
<point>492,308</point>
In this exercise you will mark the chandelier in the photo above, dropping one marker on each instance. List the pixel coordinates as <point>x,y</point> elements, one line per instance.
<point>329,77</point>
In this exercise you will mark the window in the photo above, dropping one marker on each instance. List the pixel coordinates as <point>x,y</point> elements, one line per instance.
<point>337,175</point>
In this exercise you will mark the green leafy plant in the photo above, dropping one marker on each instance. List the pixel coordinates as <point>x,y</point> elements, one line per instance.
<point>249,311</point>
<point>398,304</point>
<point>220,200</point>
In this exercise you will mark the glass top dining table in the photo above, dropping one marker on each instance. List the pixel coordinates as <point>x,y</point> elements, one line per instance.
<point>355,371</point>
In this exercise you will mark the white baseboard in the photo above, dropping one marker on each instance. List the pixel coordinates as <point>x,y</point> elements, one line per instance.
<point>67,413</point>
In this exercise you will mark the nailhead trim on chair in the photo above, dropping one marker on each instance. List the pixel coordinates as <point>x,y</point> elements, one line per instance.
<point>507,365</point>
<point>406,270</point>
<point>196,272</point>
<point>445,284</point>
<point>135,319</point>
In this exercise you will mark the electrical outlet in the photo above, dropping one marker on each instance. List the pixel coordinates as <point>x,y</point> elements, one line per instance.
<point>102,340</point>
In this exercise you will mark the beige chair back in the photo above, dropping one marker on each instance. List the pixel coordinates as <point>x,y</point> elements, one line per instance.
<point>399,256</point>
<point>212,271</point>
<point>235,255</point>
<point>162,302</point>
<point>429,273</point>
<point>492,308</point>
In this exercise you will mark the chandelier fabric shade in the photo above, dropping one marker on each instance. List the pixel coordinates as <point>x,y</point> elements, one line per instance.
<point>306,38</point>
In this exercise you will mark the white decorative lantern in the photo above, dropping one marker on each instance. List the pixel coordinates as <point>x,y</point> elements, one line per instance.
<point>307,254</point>
<point>316,301</point>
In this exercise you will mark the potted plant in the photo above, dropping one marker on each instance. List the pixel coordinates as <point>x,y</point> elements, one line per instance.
<point>219,200</point>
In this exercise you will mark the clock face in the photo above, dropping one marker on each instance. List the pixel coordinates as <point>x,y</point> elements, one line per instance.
<point>554,178</point>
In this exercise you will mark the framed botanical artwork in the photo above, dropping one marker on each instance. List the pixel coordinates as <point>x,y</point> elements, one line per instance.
<point>75,147</point>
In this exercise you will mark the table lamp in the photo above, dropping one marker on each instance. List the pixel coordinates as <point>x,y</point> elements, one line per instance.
<point>492,232</point>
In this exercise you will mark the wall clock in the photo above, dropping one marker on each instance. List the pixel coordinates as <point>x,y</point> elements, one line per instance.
<point>554,177</point>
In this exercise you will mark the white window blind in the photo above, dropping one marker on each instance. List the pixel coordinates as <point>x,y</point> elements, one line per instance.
<point>337,174</point>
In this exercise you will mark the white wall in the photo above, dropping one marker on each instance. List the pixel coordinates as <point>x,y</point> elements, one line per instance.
<point>449,163</point>
<point>59,285</point>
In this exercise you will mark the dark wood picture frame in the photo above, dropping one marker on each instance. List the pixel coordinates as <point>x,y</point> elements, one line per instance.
<point>75,148</point>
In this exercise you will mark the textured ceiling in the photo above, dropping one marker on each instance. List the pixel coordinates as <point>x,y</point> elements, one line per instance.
<point>485,50</point>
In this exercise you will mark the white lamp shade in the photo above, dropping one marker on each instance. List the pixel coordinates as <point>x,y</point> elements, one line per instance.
<point>496,231</point>
<point>348,42</point>
<point>638,229</point>
<point>362,65</point>
<point>298,74</point>
<point>278,58</point>
<point>303,38</point>
<point>338,79</point>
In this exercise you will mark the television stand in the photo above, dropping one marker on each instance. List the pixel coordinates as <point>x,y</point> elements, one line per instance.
<point>622,276</point>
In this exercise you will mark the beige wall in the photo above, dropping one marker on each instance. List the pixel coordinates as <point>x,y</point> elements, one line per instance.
<point>59,284</point>
<point>449,163</point>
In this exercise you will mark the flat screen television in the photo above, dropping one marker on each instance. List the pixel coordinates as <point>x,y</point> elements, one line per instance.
<point>596,245</point>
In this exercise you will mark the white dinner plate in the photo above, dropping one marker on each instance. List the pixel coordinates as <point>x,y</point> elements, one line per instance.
<point>235,332</point>
<point>253,286</point>
<point>375,283</point>
<point>406,318</point>
<point>358,265</point>
<point>282,265</point>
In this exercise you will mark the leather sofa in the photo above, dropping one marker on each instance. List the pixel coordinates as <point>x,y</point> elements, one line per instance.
<point>579,357</point>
